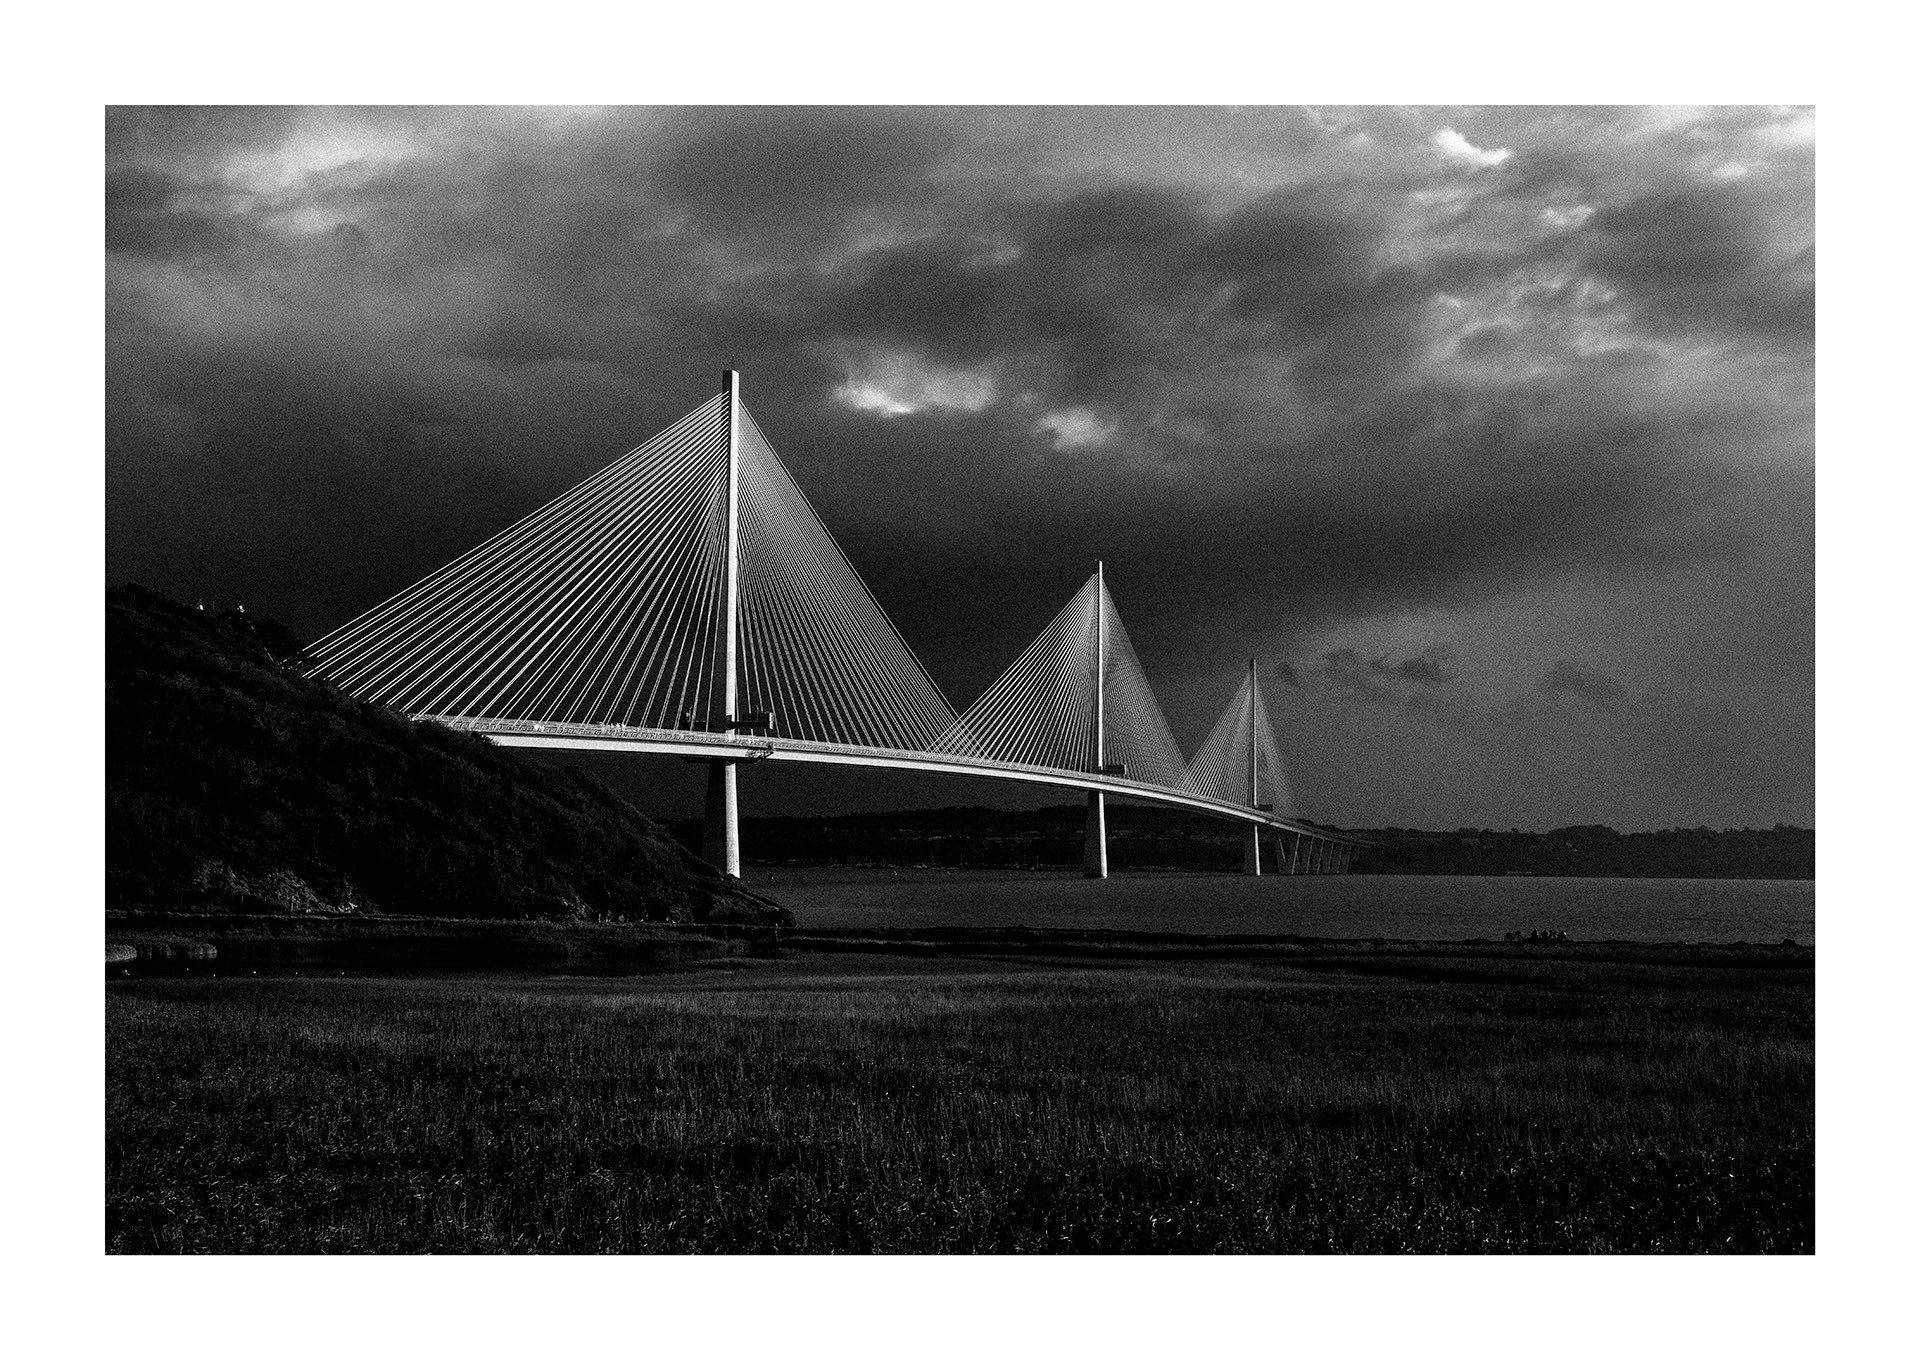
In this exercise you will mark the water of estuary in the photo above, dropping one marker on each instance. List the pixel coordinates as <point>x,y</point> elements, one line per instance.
<point>1348,906</point>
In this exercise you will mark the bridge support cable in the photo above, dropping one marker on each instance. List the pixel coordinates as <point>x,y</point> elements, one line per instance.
<point>602,606</point>
<point>444,648</point>
<point>817,650</point>
<point>1252,864</point>
<point>1041,711</point>
<point>1137,735</point>
<point>366,638</point>
<point>612,605</point>
<point>1239,762</point>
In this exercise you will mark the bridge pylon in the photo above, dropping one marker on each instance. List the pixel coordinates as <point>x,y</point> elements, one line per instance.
<point>1096,856</point>
<point>1250,864</point>
<point>720,839</point>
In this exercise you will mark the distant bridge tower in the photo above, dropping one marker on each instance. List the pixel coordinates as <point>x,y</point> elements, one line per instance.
<point>1097,798</point>
<point>721,839</point>
<point>1250,864</point>
<point>1245,733</point>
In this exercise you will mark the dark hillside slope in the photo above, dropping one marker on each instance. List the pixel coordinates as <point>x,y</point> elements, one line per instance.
<point>235,782</point>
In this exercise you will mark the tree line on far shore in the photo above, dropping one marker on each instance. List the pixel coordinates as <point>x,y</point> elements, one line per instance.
<point>1150,838</point>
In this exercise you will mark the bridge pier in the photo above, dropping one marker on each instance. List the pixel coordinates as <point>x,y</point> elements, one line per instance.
<point>1250,862</point>
<point>720,836</point>
<point>1096,834</point>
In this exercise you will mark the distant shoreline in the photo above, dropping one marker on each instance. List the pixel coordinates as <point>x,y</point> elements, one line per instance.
<point>1152,839</point>
<point>172,943</point>
<point>764,871</point>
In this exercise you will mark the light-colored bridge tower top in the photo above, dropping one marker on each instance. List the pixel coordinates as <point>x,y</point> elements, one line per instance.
<point>1253,733</point>
<point>730,385</point>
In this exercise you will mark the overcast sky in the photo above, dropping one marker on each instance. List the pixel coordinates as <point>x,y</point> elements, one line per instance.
<point>1490,432</point>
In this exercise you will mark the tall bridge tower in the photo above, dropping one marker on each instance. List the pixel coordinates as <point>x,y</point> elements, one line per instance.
<point>721,832</point>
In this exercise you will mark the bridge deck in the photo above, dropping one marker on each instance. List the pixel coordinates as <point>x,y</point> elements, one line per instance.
<point>727,745</point>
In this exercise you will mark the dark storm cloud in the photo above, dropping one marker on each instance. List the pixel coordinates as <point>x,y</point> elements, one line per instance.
<point>1701,258</point>
<point>1283,372</point>
<point>1115,294</point>
<point>746,172</point>
<point>1380,681</point>
<point>142,219</point>
<point>1581,683</point>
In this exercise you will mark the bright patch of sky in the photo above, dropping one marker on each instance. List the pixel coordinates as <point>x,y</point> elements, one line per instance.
<point>897,384</point>
<point>277,168</point>
<point>1076,428</point>
<point>1458,148</point>
<point>1795,129</point>
<point>1566,219</point>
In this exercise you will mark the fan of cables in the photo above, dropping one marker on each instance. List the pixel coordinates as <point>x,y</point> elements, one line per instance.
<point>602,606</point>
<point>608,606</point>
<point>1041,711</point>
<point>1239,762</point>
<point>817,652</point>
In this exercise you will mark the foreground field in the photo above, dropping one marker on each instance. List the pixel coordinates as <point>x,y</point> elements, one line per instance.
<point>832,1101</point>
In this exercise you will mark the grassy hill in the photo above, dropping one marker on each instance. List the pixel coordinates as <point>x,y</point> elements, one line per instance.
<point>236,783</point>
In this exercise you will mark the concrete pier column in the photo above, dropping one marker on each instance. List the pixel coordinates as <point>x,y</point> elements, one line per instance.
<point>1096,834</point>
<point>1250,861</point>
<point>720,836</point>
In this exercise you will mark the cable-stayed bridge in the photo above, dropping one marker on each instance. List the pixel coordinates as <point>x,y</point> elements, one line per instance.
<point>686,600</point>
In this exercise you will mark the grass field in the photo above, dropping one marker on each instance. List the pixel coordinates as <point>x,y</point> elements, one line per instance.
<point>833,1101</point>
